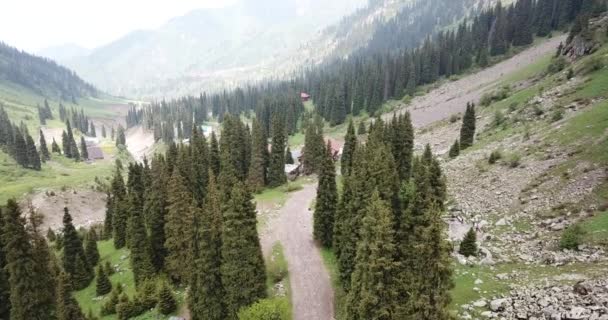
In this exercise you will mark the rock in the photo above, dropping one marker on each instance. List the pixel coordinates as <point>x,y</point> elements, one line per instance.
<point>487,314</point>
<point>480,303</point>
<point>498,305</point>
<point>581,289</point>
<point>577,313</point>
<point>502,222</point>
<point>502,276</point>
<point>478,282</point>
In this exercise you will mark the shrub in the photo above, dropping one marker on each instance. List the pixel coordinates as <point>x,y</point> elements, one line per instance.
<point>277,267</point>
<point>266,309</point>
<point>513,107</point>
<point>468,246</point>
<point>499,118</point>
<point>557,115</point>
<point>455,150</point>
<point>486,99</point>
<point>538,111</point>
<point>570,74</point>
<point>557,65</point>
<point>572,237</point>
<point>514,160</point>
<point>454,118</point>
<point>494,156</point>
<point>592,65</point>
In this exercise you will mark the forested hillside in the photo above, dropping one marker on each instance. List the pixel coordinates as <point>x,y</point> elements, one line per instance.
<point>41,75</point>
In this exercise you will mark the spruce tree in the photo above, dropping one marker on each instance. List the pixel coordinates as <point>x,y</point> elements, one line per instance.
<point>205,299</point>
<point>314,149</point>
<point>373,293</point>
<point>350,143</point>
<point>72,147</point>
<point>44,150</point>
<point>276,169</point>
<point>67,306</point>
<point>30,297</point>
<point>121,140</point>
<point>454,149</point>
<point>33,158</point>
<point>327,198</point>
<point>83,149</point>
<point>214,155</point>
<point>55,147</point>
<point>468,246</point>
<point>75,262</point>
<point>361,130</point>
<point>90,250</point>
<point>155,210</point>
<point>65,145</point>
<point>243,272</point>
<point>107,222</point>
<point>103,131</point>
<point>179,230</point>
<point>103,285</point>
<point>21,151</point>
<point>467,131</point>
<point>288,156</point>
<point>259,154</point>
<point>141,252</point>
<point>5,304</point>
<point>166,300</point>
<point>119,209</point>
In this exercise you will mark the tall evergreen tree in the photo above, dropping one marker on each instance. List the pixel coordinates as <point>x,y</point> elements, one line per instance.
<point>67,306</point>
<point>33,158</point>
<point>179,230</point>
<point>84,153</point>
<point>166,300</point>
<point>214,155</point>
<point>242,269</point>
<point>121,139</point>
<point>314,149</point>
<point>276,169</point>
<point>103,285</point>
<point>350,143</point>
<point>90,250</point>
<point>155,211</point>
<point>373,293</point>
<point>141,252</point>
<point>55,147</point>
<point>205,299</point>
<point>288,156</point>
<point>119,209</point>
<point>30,297</point>
<point>5,303</point>
<point>75,262</point>
<point>259,156</point>
<point>467,131</point>
<point>44,150</point>
<point>327,198</point>
<point>71,144</point>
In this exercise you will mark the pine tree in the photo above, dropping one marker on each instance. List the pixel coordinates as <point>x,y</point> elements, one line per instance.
<point>401,134</point>
<point>166,300</point>
<point>454,149</point>
<point>276,169</point>
<point>83,149</point>
<point>67,306</point>
<point>205,299</point>
<point>119,209</point>
<point>259,155</point>
<point>30,296</point>
<point>65,145</point>
<point>103,285</point>
<point>107,222</point>
<point>55,147</point>
<point>467,131</point>
<point>155,212</point>
<point>243,272</point>
<point>75,262</point>
<point>44,150</point>
<point>288,156</point>
<point>350,143</point>
<point>21,150</point>
<point>121,140</point>
<point>373,293</point>
<point>214,155</point>
<point>468,246</point>
<point>361,130</point>
<point>103,131</point>
<point>33,158</point>
<point>5,304</point>
<point>90,250</point>
<point>314,149</point>
<point>141,252</point>
<point>71,144</point>
<point>92,129</point>
<point>327,198</point>
<point>179,230</point>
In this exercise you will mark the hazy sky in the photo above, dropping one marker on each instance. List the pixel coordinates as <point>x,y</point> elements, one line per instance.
<point>35,24</point>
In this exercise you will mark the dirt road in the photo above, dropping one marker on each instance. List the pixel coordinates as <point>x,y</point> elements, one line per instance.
<point>452,97</point>
<point>311,290</point>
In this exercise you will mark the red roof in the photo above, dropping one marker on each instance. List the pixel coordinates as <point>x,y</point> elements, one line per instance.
<point>304,95</point>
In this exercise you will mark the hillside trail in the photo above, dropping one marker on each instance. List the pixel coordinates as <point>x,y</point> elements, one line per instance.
<point>311,289</point>
<point>452,97</point>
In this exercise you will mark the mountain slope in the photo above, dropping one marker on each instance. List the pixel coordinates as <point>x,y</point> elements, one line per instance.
<point>41,75</point>
<point>64,52</point>
<point>204,41</point>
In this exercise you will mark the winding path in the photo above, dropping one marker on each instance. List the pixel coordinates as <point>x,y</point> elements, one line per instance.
<point>311,289</point>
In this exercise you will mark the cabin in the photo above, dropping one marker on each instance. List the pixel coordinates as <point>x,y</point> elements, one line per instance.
<point>304,96</point>
<point>292,171</point>
<point>336,148</point>
<point>94,151</point>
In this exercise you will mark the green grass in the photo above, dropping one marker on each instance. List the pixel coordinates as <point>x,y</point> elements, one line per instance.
<point>331,263</point>
<point>279,194</point>
<point>530,71</point>
<point>87,298</point>
<point>277,271</point>
<point>596,228</point>
<point>16,181</point>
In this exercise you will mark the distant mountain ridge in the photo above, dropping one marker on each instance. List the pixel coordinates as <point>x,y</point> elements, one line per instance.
<point>63,52</point>
<point>42,75</point>
<point>206,43</point>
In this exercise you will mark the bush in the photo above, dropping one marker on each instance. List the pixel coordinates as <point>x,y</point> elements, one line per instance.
<point>572,237</point>
<point>494,156</point>
<point>489,97</point>
<point>486,99</point>
<point>557,65</point>
<point>570,74</point>
<point>499,119</point>
<point>514,160</point>
<point>454,118</point>
<point>468,246</point>
<point>557,115</point>
<point>455,150</point>
<point>592,65</point>
<point>266,309</point>
<point>277,267</point>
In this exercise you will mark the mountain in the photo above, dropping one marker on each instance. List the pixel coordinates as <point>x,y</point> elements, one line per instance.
<point>206,43</point>
<point>64,52</point>
<point>41,75</point>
